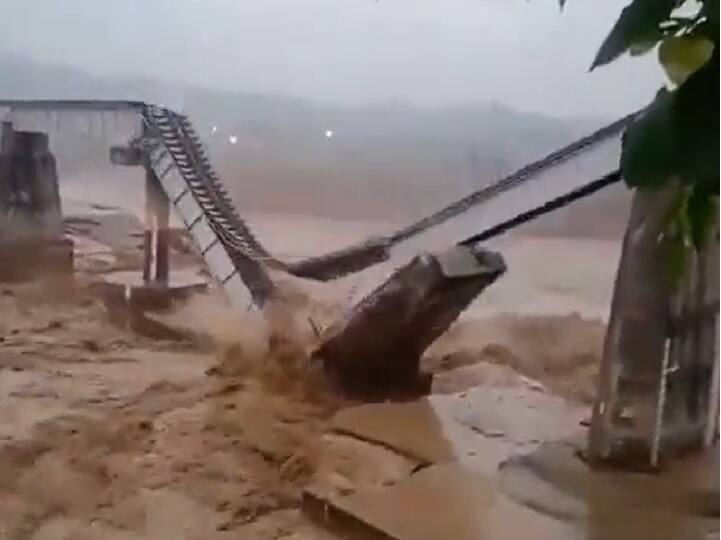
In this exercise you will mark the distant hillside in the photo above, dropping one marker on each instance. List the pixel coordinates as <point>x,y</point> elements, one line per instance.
<point>293,155</point>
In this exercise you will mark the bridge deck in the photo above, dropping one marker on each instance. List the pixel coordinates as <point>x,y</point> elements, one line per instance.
<point>72,104</point>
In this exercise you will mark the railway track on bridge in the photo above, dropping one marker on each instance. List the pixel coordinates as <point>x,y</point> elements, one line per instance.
<point>237,260</point>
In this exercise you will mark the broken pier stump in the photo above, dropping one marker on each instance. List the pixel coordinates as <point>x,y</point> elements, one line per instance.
<point>375,352</point>
<point>128,299</point>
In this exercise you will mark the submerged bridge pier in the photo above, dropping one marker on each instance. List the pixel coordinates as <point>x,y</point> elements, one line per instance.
<point>157,247</point>
<point>156,244</point>
<point>127,296</point>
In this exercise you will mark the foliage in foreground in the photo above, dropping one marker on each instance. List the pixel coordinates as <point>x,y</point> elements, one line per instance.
<point>676,138</point>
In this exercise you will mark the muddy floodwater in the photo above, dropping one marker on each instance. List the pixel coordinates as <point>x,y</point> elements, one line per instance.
<point>105,434</point>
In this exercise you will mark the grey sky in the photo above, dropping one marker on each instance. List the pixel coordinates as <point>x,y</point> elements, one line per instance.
<point>432,52</point>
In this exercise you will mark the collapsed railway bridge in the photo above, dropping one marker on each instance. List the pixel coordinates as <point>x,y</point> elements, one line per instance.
<point>422,298</point>
<point>181,176</point>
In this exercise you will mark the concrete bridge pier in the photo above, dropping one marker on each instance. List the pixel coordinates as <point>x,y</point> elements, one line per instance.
<point>32,244</point>
<point>156,263</point>
<point>128,296</point>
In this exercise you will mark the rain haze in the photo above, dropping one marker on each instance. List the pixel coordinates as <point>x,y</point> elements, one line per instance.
<point>272,220</point>
<point>407,104</point>
<point>525,54</point>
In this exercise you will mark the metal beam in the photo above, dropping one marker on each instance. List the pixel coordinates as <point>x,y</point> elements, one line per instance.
<point>72,105</point>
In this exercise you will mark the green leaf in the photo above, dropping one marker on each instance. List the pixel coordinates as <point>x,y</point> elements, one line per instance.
<point>680,56</point>
<point>648,149</point>
<point>677,135</point>
<point>642,47</point>
<point>695,121</point>
<point>639,23</point>
<point>710,10</point>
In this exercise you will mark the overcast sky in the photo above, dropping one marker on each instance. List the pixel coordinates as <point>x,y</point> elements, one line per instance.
<point>524,53</point>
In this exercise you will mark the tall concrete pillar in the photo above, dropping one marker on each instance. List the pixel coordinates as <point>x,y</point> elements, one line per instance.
<point>148,233</point>
<point>656,393</point>
<point>31,222</point>
<point>162,240</point>
<point>29,186</point>
<point>156,245</point>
